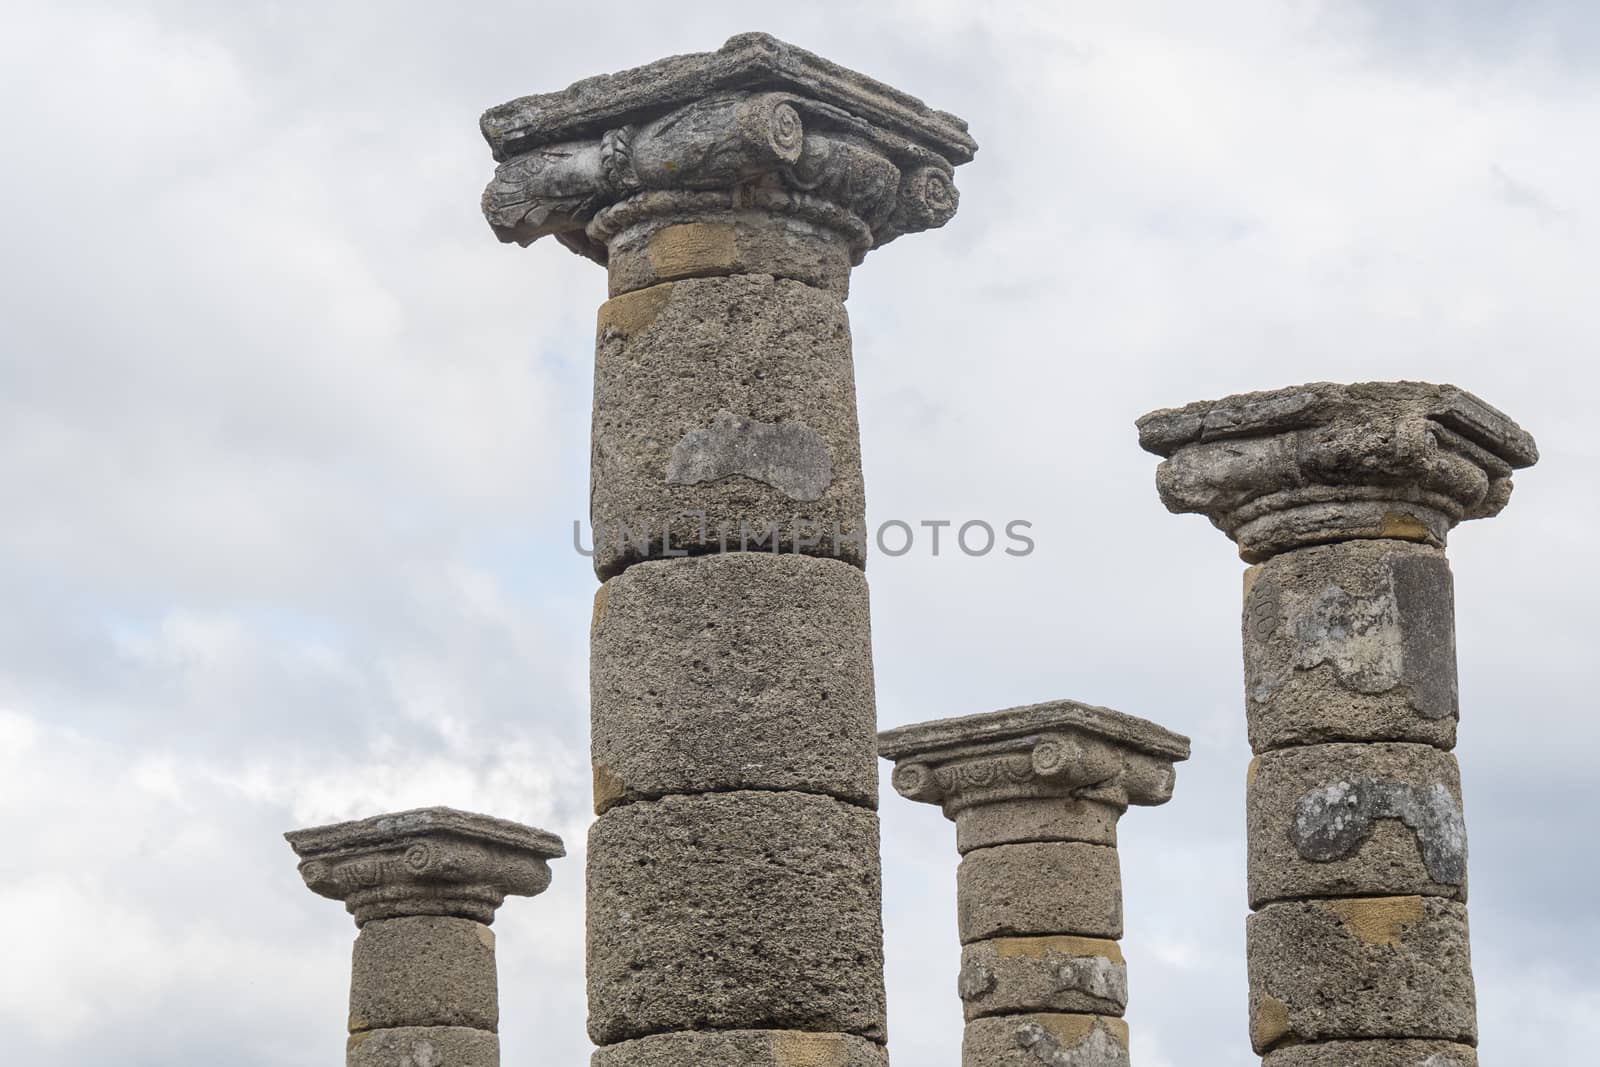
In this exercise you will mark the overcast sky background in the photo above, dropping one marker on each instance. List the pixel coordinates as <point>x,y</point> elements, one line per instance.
<point>290,448</point>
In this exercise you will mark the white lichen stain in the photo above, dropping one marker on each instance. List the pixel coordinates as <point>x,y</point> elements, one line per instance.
<point>1094,975</point>
<point>423,1054</point>
<point>1359,637</point>
<point>1333,822</point>
<point>1098,1049</point>
<point>791,457</point>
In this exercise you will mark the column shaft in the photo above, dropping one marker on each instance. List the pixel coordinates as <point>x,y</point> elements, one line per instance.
<point>1035,794</point>
<point>733,893</point>
<point>733,872</point>
<point>1343,497</point>
<point>423,886</point>
<point>1357,843</point>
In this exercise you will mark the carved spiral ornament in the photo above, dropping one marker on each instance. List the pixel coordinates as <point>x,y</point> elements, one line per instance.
<point>419,857</point>
<point>1050,756</point>
<point>777,146</point>
<point>913,781</point>
<point>927,199</point>
<point>785,132</point>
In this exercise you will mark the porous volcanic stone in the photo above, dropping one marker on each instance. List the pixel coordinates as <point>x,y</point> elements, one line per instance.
<point>1049,887</point>
<point>423,1046</point>
<point>425,970</point>
<point>426,861</point>
<point>744,1048</point>
<point>1364,967</point>
<point>742,671</point>
<point>732,397</point>
<point>745,61</point>
<point>700,244</point>
<point>1378,1053</point>
<point>746,910</point>
<point>1045,1039</point>
<point>1322,463</point>
<point>1356,820</point>
<point>1009,822</point>
<point>1350,642</point>
<point>1011,975</point>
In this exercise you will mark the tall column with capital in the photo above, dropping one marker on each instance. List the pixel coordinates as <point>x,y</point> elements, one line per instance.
<point>423,887</point>
<point>1036,794</point>
<point>1341,496</point>
<point>733,882</point>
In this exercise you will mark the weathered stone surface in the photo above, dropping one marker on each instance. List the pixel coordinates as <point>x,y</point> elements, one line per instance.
<point>759,123</point>
<point>423,1046</point>
<point>744,910</point>
<point>1029,890</point>
<point>667,237</point>
<point>1012,975</point>
<point>1057,750</point>
<point>1378,1053</point>
<point>745,61</point>
<point>425,970</point>
<point>428,861</point>
<point>1051,1040</point>
<point>1010,822</point>
<point>1356,820</point>
<point>743,671</point>
<point>725,420</point>
<point>744,1048</point>
<point>1035,793</point>
<point>1323,462</point>
<point>1353,641</point>
<point>1369,967</point>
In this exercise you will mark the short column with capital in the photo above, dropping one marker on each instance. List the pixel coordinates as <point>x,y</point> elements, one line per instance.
<point>734,902</point>
<point>423,887</point>
<point>1036,794</point>
<point>1341,496</point>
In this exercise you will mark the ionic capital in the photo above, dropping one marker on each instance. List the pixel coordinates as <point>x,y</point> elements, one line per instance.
<point>1319,463</point>
<point>758,125</point>
<point>428,861</point>
<point>1061,749</point>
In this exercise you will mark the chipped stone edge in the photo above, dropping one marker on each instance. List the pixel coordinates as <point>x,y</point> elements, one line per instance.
<point>927,738</point>
<point>1269,412</point>
<point>745,61</point>
<point>321,841</point>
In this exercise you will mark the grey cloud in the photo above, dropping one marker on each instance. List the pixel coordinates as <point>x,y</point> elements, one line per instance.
<point>290,450</point>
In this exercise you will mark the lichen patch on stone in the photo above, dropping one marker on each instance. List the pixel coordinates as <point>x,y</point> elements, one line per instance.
<point>1333,822</point>
<point>791,457</point>
<point>1093,975</point>
<point>1074,1041</point>
<point>1359,637</point>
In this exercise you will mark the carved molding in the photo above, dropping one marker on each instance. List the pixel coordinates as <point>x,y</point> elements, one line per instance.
<point>1060,749</point>
<point>430,861</point>
<point>772,151</point>
<point>1325,462</point>
<point>1061,764</point>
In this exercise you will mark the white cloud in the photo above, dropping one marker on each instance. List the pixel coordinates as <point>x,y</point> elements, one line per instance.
<point>290,451</point>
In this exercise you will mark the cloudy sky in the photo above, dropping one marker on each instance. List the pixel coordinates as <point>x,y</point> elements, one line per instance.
<point>290,449</point>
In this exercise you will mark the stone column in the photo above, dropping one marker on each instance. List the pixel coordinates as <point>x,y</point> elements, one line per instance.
<point>733,885</point>
<point>423,886</point>
<point>1341,497</point>
<point>1035,794</point>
